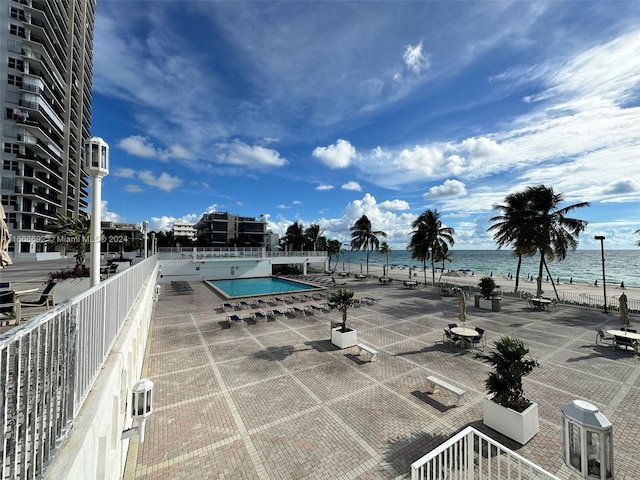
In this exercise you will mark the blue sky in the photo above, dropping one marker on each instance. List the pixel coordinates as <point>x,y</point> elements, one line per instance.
<point>324,111</point>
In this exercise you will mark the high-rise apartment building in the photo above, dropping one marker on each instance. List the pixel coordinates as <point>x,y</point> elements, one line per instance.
<point>46,73</point>
<point>222,229</point>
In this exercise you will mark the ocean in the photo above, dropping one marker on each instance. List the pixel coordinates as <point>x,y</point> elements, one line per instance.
<point>582,266</point>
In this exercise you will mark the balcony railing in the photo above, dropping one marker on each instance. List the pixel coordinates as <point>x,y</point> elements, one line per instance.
<point>49,364</point>
<point>471,455</point>
<point>222,252</point>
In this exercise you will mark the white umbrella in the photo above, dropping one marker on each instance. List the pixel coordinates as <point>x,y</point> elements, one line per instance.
<point>624,310</point>
<point>5,238</point>
<point>462,308</point>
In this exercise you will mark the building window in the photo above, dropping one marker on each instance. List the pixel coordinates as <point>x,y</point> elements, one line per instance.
<point>16,30</point>
<point>18,14</point>
<point>15,80</point>
<point>11,148</point>
<point>16,63</point>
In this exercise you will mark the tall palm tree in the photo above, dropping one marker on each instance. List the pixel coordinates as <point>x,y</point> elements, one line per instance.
<point>333,248</point>
<point>385,249</point>
<point>428,233</point>
<point>553,233</point>
<point>72,232</point>
<point>313,234</point>
<point>511,227</point>
<point>362,236</point>
<point>295,236</point>
<point>442,254</point>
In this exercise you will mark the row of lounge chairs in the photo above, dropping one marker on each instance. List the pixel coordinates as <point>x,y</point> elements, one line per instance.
<point>294,311</point>
<point>261,303</point>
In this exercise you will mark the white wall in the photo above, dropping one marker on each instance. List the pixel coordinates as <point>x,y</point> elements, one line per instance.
<point>189,270</point>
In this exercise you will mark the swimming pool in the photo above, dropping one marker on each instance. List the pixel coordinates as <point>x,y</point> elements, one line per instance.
<point>251,287</point>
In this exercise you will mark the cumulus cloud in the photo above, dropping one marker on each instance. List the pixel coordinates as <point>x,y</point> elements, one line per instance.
<point>133,188</point>
<point>339,155</point>
<point>241,154</point>
<point>124,173</point>
<point>164,182</point>
<point>108,216</point>
<point>450,188</point>
<point>324,188</point>
<point>624,186</point>
<point>353,186</point>
<point>394,205</point>
<point>140,146</point>
<point>415,59</point>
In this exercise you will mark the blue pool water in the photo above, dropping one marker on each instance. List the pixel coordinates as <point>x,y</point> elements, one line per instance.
<point>247,287</point>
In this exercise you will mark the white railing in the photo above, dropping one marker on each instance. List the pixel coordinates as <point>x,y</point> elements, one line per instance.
<point>49,364</point>
<point>230,252</point>
<point>471,455</point>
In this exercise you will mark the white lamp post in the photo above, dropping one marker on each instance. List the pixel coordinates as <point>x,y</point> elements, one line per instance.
<point>145,230</point>
<point>96,164</point>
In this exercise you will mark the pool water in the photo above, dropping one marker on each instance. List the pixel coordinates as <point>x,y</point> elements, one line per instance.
<point>247,287</point>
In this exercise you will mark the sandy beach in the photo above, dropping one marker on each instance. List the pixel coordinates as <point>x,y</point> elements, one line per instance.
<point>505,284</point>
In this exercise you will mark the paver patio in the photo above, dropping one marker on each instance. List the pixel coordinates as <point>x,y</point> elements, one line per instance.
<point>277,400</point>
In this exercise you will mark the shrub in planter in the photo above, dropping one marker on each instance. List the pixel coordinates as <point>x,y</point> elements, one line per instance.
<point>487,287</point>
<point>342,300</point>
<point>511,362</point>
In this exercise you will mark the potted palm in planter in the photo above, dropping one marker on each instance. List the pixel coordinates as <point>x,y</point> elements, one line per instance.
<point>341,336</point>
<point>487,298</point>
<point>505,408</point>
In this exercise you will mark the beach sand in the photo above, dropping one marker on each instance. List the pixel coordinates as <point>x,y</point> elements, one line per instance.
<point>505,284</point>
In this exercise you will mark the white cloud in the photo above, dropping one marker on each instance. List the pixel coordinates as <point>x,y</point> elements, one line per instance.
<point>124,173</point>
<point>164,182</point>
<point>450,188</point>
<point>415,59</point>
<point>163,223</point>
<point>140,146</point>
<point>108,216</point>
<point>394,205</point>
<point>239,153</point>
<point>339,155</point>
<point>133,188</point>
<point>297,202</point>
<point>283,206</point>
<point>324,188</point>
<point>353,186</point>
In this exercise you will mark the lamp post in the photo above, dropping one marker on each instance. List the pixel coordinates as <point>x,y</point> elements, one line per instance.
<point>96,164</point>
<point>604,281</point>
<point>145,230</point>
<point>348,255</point>
<point>153,243</point>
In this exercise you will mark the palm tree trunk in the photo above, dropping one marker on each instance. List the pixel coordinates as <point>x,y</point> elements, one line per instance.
<point>424,271</point>
<point>552,282</point>
<point>367,261</point>
<point>539,292</point>
<point>518,272</point>
<point>433,271</point>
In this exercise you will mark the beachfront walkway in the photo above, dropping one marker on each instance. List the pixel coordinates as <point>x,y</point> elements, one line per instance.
<point>277,401</point>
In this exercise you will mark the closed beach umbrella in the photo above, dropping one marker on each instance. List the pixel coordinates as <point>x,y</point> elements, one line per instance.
<point>462,308</point>
<point>624,310</point>
<point>4,240</point>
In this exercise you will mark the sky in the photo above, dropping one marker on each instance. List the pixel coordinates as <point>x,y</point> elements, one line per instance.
<point>321,112</point>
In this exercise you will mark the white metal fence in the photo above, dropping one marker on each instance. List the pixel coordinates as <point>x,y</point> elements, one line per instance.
<point>49,364</point>
<point>471,455</point>
<point>175,253</point>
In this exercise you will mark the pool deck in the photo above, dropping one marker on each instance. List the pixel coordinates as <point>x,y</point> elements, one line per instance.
<point>276,400</point>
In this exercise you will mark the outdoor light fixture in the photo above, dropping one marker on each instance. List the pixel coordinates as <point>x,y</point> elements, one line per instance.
<point>145,230</point>
<point>587,440</point>
<point>141,407</point>
<point>604,281</point>
<point>156,295</point>
<point>96,164</point>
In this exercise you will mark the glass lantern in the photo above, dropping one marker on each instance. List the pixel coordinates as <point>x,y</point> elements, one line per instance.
<point>96,157</point>
<point>587,440</point>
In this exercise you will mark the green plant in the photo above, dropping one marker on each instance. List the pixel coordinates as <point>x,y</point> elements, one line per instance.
<point>63,274</point>
<point>510,365</point>
<point>342,300</point>
<point>487,286</point>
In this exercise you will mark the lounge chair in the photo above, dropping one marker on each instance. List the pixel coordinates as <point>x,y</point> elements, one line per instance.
<point>45,300</point>
<point>601,337</point>
<point>234,320</point>
<point>259,315</point>
<point>227,306</point>
<point>295,311</point>
<point>276,313</point>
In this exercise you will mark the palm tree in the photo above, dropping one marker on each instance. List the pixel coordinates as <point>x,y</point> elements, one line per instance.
<point>511,227</point>
<point>551,231</point>
<point>426,239</point>
<point>637,232</point>
<point>342,300</point>
<point>362,236</point>
<point>72,233</point>
<point>333,248</point>
<point>313,234</point>
<point>442,254</point>
<point>385,249</point>
<point>295,236</point>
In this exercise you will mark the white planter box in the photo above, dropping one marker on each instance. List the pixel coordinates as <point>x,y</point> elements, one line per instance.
<point>485,303</point>
<point>344,340</point>
<point>520,427</point>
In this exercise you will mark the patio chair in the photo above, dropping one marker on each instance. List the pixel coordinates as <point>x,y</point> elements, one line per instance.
<point>452,325</point>
<point>626,342</point>
<point>478,339</point>
<point>631,330</point>
<point>45,300</point>
<point>449,337</point>
<point>601,337</point>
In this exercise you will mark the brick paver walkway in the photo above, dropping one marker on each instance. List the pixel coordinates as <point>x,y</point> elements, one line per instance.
<point>277,400</point>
